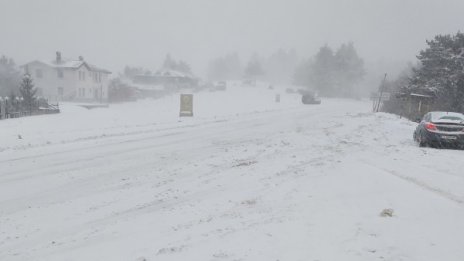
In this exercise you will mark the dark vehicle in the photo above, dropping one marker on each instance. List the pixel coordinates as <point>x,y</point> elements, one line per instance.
<point>308,97</point>
<point>441,129</point>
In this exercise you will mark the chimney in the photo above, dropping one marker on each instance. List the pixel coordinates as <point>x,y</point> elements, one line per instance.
<point>58,57</point>
<point>81,58</point>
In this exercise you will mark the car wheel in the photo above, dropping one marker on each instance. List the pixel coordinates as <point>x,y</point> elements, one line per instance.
<point>422,140</point>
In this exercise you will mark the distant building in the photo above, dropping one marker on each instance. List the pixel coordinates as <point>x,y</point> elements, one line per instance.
<point>168,79</point>
<point>162,82</point>
<point>69,80</point>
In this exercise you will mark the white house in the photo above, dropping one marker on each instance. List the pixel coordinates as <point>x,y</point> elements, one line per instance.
<point>69,80</point>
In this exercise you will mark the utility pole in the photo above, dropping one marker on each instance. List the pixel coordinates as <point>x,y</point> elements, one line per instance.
<point>382,86</point>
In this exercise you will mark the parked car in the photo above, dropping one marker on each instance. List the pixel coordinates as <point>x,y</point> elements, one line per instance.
<point>309,97</point>
<point>440,129</point>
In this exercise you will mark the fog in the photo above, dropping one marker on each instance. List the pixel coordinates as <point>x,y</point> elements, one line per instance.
<point>113,34</point>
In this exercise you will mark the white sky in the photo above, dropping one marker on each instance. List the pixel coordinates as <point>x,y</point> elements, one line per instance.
<point>113,33</point>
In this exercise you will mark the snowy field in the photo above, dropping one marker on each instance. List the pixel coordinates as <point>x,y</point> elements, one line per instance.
<point>245,179</point>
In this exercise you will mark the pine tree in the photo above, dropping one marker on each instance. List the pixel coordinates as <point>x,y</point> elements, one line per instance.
<point>441,71</point>
<point>225,68</point>
<point>180,66</point>
<point>28,92</point>
<point>281,65</point>
<point>169,63</point>
<point>184,67</point>
<point>321,74</point>
<point>301,76</point>
<point>349,70</point>
<point>9,76</point>
<point>254,68</point>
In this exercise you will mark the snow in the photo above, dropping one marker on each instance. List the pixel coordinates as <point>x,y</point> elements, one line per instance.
<point>245,179</point>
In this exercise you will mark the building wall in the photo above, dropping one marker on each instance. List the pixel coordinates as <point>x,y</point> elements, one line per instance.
<point>91,85</point>
<point>73,85</point>
<point>46,80</point>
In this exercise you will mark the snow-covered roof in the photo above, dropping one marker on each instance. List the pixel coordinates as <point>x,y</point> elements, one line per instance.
<point>140,86</point>
<point>71,64</point>
<point>98,69</point>
<point>173,73</point>
<point>151,87</point>
<point>421,95</point>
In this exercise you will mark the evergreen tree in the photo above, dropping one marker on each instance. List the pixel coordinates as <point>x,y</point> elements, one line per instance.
<point>301,76</point>
<point>349,70</point>
<point>169,63</point>
<point>180,66</point>
<point>225,68</point>
<point>254,68</point>
<point>28,92</point>
<point>441,71</point>
<point>321,74</point>
<point>9,76</point>
<point>332,74</point>
<point>281,65</point>
<point>130,72</point>
<point>184,67</point>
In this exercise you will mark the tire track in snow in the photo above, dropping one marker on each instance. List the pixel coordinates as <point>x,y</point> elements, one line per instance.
<point>421,184</point>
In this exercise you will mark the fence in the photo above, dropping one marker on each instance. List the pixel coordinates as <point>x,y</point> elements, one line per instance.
<point>17,107</point>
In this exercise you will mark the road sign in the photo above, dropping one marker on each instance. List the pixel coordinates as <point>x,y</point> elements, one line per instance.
<point>186,105</point>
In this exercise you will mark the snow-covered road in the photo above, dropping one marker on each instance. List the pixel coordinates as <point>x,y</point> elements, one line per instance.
<point>283,183</point>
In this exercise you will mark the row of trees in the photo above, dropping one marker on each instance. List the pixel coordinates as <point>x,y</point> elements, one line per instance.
<point>332,73</point>
<point>10,77</point>
<point>278,67</point>
<point>16,90</point>
<point>439,74</point>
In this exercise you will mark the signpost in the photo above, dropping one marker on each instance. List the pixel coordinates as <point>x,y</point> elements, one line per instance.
<point>186,105</point>
<point>381,96</point>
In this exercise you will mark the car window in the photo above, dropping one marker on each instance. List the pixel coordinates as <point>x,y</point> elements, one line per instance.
<point>446,116</point>
<point>453,118</point>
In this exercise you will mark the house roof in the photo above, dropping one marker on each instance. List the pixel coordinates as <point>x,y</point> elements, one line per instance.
<point>70,64</point>
<point>420,95</point>
<point>98,69</point>
<point>173,73</point>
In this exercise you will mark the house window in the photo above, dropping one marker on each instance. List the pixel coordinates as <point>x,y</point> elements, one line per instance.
<point>60,74</point>
<point>81,76</point>
<point>39,73</point>
<point>60,91</point>
<point>83,92</point>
